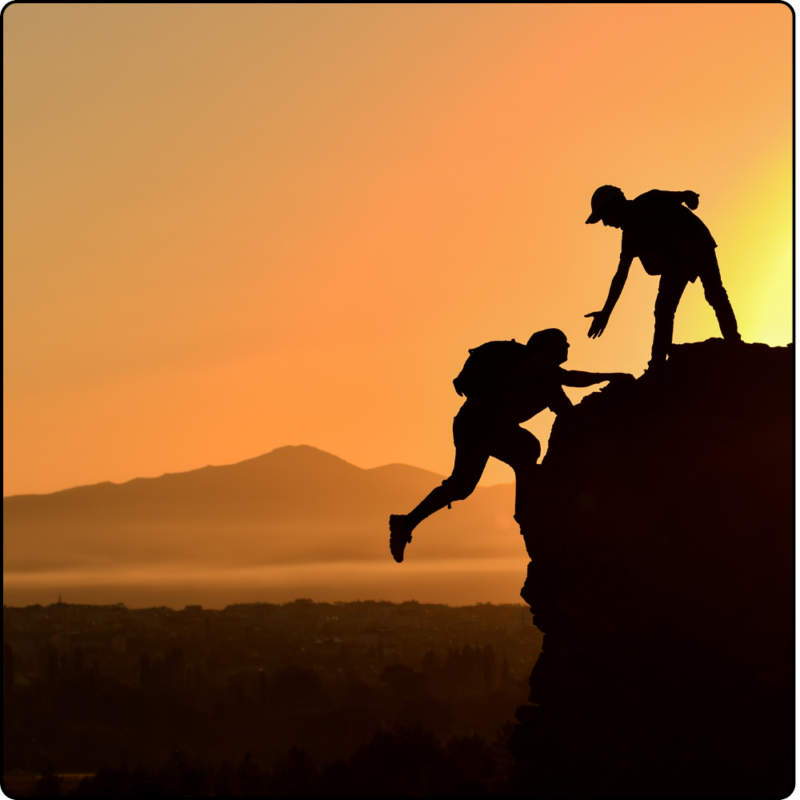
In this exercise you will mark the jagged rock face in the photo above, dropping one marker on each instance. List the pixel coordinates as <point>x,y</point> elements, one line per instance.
<point>661,543</point>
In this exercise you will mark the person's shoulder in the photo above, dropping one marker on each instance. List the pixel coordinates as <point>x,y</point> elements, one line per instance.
<point>655,204</point>
<point>653,196</point>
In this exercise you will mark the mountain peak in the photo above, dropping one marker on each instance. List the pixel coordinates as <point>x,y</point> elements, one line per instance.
<point>297,454</point>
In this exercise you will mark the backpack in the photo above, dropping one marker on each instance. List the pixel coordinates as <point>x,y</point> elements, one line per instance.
<point>487,364</point>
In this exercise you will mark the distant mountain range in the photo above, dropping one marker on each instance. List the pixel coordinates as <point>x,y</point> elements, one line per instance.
<point>293,506</point>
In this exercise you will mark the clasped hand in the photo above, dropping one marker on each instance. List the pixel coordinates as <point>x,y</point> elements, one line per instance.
<point>618,378</point>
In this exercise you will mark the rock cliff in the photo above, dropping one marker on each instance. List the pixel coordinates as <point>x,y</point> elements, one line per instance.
<point>661,542</point>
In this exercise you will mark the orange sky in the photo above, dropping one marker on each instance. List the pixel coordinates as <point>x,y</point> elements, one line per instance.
<point>233,228</point>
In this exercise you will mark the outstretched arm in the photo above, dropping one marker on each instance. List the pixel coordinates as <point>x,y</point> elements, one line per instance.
<point>573,377</point>
<point>617,285</point>
<point>559,402</point>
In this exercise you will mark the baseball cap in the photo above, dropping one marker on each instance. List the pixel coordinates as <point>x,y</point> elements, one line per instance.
<point>600,199</point>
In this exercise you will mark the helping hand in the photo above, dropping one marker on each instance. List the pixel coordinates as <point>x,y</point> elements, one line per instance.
<point>619,378</point>
<point>691,199</point>
<point>598,323</point>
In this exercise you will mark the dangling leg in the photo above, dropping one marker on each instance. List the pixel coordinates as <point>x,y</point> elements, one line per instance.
<point>670,289</point>
<point>470,461</point>
<point>718,299</point>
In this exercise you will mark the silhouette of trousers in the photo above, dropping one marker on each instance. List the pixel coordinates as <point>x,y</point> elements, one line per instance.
<point>670,291</point>
<point>479,435</point>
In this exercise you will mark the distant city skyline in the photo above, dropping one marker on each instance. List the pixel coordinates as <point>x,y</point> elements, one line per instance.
<point>185,672</point>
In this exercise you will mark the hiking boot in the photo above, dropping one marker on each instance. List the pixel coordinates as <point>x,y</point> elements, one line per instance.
<point>399,536</point>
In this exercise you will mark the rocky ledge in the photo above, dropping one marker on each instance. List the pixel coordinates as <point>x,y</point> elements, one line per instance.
<point>660,535</point>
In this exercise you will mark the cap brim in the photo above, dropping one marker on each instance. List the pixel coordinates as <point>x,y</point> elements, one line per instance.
<point>593,217</point>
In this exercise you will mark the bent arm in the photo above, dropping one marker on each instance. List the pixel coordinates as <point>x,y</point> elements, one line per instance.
<point>690,198</point>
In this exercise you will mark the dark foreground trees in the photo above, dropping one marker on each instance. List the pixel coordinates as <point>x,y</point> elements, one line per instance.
<point>403,762</point>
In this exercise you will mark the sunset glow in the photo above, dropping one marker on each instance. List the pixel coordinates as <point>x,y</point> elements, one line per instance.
<point>232,230</point>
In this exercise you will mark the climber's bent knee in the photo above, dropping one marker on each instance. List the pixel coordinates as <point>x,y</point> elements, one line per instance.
<point>457,490</point>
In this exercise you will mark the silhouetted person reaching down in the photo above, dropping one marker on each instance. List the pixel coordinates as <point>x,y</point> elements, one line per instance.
<point>671,242</point>
<point>505,383</point>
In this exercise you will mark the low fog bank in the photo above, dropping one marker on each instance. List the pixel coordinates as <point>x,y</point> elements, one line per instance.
<point>455,582</point>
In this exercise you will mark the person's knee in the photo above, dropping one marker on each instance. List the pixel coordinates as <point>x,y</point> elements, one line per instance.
<point>461,492</point>
<point>528,464</point>
<point>665,309</point>
<point>457,489</point>
<point>532,450</point>
<point>716,295</point>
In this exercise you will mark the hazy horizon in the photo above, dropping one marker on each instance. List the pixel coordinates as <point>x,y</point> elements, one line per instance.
<point>460,582</point>
<point>218,589</point>
<point>412,601</point>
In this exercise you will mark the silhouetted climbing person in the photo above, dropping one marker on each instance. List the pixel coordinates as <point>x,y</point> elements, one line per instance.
<point>505,383</point>
<point>670,241</point>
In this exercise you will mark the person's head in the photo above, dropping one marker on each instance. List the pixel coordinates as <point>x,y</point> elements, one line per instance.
<point>551,342</point>
<point>608,205</point>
